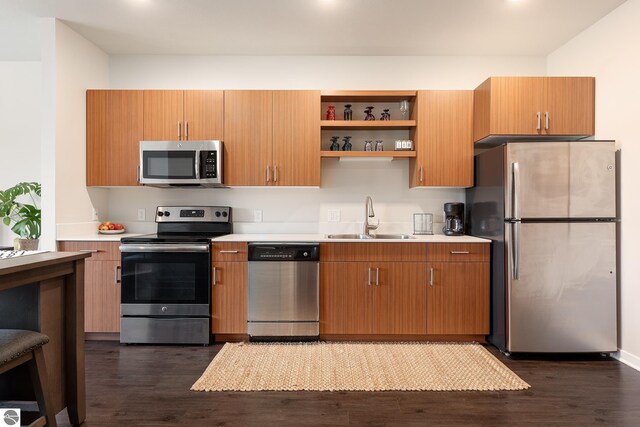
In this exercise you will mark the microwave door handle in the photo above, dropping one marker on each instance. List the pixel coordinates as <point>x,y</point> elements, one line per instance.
<point>197,165</point>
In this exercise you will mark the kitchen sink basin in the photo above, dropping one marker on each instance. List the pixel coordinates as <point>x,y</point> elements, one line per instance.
<point>371,236</point>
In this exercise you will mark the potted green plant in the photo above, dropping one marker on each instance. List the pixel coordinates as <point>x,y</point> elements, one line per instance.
<point>23,218</point>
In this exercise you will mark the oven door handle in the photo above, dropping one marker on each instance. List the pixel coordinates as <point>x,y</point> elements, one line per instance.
<point>164,248</point>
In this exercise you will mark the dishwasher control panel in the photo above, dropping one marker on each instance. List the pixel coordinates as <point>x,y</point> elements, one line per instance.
<point>284,252</point>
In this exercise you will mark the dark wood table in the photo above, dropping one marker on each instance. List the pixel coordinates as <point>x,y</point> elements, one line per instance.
<point>45,293</point>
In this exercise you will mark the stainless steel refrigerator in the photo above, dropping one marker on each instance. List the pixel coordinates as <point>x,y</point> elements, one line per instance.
<point>550,210</point>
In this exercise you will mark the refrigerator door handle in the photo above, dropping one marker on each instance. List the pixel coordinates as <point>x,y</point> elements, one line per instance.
<point>515,205</point>
<point>515,248</point>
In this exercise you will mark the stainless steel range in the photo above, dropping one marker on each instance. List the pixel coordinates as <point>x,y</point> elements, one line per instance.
<point>166,277</point>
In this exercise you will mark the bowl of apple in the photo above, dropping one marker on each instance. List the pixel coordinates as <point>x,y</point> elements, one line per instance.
<point>109,227</point>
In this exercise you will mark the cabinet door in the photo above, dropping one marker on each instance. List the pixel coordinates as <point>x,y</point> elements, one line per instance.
<point>458,298</point>
<point>229,298</point>
<point>163,115</point>
<point>114,129</point>
<point>400,298</point>
<point>444,148</point>
<point>296,137</point>
<point>515,102</point>
<point>203,115</point>
<point>102,296</point>
<point>346,298</point>
<point>248,126</point>
<point>569,104</point>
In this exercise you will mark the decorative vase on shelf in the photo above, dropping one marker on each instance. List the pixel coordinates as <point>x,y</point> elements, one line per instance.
<point>335,146</point>
<point>347,145</point>
<point>348,113</point>
<point>379,146</point>
<point>331,112</point>
<point>369,114</point>
<point>368,146</point>
<point>385,115</point>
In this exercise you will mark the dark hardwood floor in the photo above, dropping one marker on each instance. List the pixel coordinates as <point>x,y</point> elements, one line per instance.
<point>149,386</point>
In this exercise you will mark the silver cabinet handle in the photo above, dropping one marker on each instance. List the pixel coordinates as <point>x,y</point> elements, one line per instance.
<point>546,120</point>
<point>369,278</point>
<point>515,205</point>
<point>421,174</point>
<point>459,252</point>
<point>268,173</point>
<point>179,130</point>
<point>214,277</point>
<point>229,252</point>
<point>138,174</point>
<point>431,277</point>
<point>90,251</point>
<point>377,276</point>
<point>118,274</point>
<point>538,124</point>
<point>275,173</point>
<point>186,129</point>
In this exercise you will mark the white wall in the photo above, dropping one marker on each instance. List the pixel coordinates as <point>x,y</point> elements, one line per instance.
<point>344,184</point>
<point>71,65</point>
<point>20,86</point>
<point>608,50</point>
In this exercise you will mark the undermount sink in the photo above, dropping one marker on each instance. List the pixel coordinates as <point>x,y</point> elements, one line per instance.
<point>369,236</point>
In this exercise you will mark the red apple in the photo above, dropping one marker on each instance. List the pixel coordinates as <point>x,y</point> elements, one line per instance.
<point>111,226</point>
<point>118,227</point>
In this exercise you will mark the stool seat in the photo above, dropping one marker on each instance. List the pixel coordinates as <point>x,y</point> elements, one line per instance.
<point>18,342</point>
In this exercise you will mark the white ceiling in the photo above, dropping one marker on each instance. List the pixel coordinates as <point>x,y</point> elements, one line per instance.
<point>305,27</point>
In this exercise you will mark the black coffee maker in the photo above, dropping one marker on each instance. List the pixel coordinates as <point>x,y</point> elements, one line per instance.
<point>453,219</point>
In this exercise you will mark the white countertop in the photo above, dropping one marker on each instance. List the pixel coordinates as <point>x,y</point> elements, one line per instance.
<point>94,237</point>
<point>436,238</point>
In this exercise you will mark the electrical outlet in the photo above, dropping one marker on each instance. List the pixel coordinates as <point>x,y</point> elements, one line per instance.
<point>94,214</point>
<point>257,215</point>
<point>333,215</point>
<point>142,214</point>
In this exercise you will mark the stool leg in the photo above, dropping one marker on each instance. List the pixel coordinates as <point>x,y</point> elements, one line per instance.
<point>40,382</point>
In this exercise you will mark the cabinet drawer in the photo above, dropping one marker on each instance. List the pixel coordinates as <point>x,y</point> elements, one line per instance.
<point>100,251</point>
<point>229,251</point>
<point>372,252</point>
<point>458,252</point>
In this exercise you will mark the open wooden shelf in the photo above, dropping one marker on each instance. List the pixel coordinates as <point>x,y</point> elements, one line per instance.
<point>365,124</point>
<point>367,95</point>
<point>398,154</point>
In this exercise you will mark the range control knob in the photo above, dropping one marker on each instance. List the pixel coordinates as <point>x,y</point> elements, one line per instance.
<point>167,213</point>
<point>305,254</point>
<point>218,214</point>
<point>160,213</point>
<point>224,214</point>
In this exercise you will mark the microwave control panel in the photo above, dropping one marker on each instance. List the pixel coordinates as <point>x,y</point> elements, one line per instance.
<point>209,162</point>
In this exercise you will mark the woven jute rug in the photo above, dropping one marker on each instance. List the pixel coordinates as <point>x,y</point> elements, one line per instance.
<point>327,366</point>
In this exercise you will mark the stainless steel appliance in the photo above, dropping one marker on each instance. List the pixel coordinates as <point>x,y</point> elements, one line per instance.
<point>550,210</point>
<point>453,219</point>
<point>181,163</point>
<point>166,277</point>
<point>283,290</point>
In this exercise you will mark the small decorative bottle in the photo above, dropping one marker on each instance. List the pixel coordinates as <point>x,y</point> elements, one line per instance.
<point>385,115</point>
<point>379,146</point>
<point>368,146</point>
<point>348,114</point>
<point>347,145</point>
<point>331,112</point>
<point>335,146</point>
<point>369,114</point>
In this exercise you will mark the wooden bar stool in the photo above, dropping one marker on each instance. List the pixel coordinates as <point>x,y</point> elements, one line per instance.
<point>18,347</point>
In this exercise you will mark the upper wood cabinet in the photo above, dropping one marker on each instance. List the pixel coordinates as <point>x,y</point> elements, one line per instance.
<point>114,129</point>
<point>443,139</point>
<point>272,137</point>
<point>181,115</point>
<point>534,106</point>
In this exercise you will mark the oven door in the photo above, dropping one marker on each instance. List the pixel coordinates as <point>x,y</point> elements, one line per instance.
<point>166,279</point>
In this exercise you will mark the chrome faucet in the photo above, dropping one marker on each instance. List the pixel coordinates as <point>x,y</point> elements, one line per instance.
<point>368,213</point>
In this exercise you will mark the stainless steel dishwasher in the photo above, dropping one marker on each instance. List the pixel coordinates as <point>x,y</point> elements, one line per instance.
<point>283,290</point>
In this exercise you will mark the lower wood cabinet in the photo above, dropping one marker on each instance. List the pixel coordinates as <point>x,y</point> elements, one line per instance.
<point>101,284</point>
<point>229,291</point>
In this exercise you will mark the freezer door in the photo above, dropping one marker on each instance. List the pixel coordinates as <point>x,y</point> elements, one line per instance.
<point>560,180</point>
<point>562,298</point>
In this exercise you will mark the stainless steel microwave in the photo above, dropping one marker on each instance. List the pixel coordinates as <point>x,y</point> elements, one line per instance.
<point>181,163</point>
